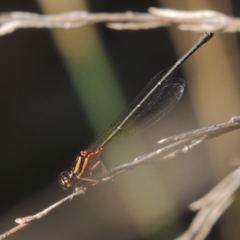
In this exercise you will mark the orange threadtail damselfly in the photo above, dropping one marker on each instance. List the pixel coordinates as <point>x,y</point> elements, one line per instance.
<point>160,95</point>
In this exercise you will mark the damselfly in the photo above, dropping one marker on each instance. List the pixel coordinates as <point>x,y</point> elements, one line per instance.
<point>160,95</point>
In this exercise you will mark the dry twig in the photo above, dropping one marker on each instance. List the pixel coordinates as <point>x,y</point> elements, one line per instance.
<point>212,205</point>
<point>201,20</point>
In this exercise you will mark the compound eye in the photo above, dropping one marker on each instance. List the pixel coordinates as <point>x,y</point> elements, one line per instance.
<point>65,180</point>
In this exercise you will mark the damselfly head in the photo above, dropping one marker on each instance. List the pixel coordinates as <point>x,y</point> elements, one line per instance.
<point>65,180</point>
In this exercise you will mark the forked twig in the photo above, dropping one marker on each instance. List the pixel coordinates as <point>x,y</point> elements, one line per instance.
<point>212,205</point>
<point>200,20</point>
<point>24,221</point>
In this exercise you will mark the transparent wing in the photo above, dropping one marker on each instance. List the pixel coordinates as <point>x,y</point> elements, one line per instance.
<point>144,111</point>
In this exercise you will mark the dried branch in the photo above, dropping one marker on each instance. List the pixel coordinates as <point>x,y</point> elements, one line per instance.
<point>213,204</point>
<point>211,207</point>
<point>201,20</point>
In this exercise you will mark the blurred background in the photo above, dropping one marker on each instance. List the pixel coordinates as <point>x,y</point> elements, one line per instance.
<point>60,89</point>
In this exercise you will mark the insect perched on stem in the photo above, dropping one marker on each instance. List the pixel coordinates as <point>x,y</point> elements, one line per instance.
<point>160,96</point>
